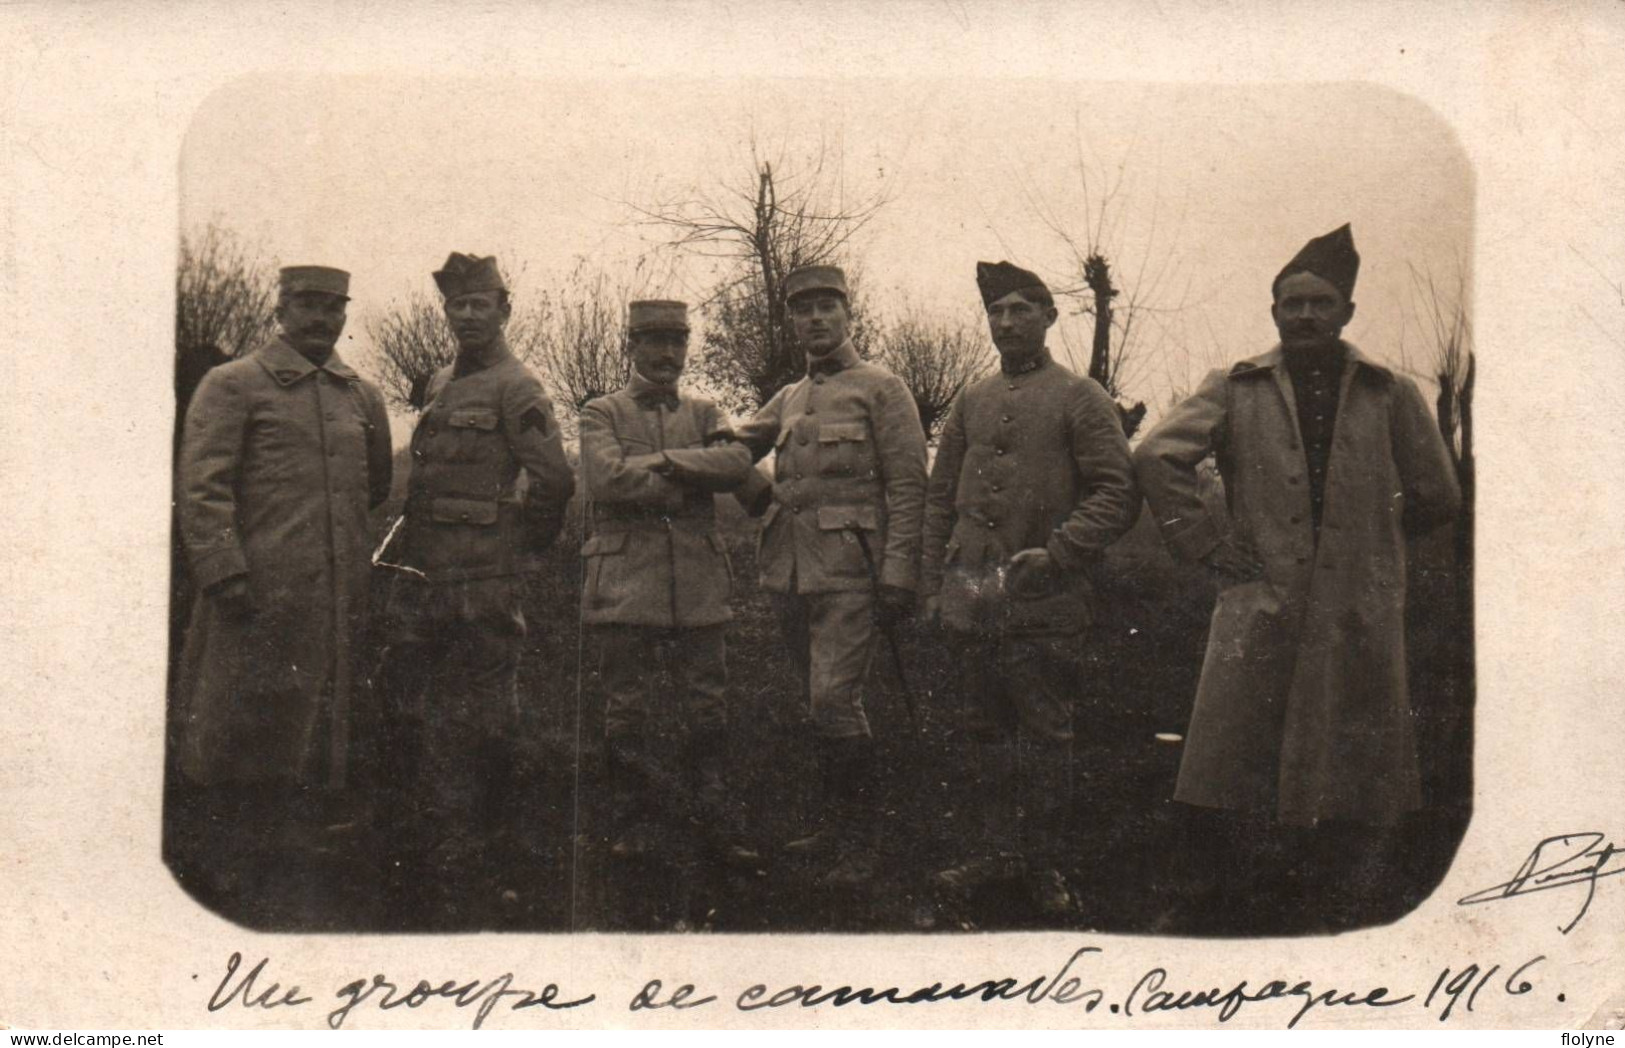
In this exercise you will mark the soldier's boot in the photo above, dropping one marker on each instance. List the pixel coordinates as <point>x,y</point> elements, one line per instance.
<point>631,836</point>
<point>723,829</point>
<point>857,813</point>
<point>821,835</point>
<point>1045,804</point>
<point>996,852</point>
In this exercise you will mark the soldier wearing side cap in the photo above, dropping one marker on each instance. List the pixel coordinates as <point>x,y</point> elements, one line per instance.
<point>653,459</point>
<point>1032,481</point>
<point>1330,460</point>
<point>283,453</point>
<point>455,626</point>
<point>840,544</point>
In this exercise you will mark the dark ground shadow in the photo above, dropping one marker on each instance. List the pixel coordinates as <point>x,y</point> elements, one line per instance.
<point>1130,846</point>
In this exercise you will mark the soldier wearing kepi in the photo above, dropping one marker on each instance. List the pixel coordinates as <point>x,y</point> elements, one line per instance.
<point>283,453</point>
<point>1032,481</point>
<point>1329,461</point>
<point>840,543</point>
<point>455,614</point>
<point>658,579</point>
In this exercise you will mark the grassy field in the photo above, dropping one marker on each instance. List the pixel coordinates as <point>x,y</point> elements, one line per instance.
<point>1129,862</point>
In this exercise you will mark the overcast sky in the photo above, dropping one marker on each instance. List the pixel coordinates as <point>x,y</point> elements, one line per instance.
<point>1215,188</point>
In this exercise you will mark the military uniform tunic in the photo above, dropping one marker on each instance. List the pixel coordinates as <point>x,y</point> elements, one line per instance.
<point>849,458</point>
<point>460,623</point>
<point>1031,458</point>
<point>280,461</point>
<point>657,572</point>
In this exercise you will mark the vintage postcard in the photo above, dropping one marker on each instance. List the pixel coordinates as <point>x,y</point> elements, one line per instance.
<point>827,516</point>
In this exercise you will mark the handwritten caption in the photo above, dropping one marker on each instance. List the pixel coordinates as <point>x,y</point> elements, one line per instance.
<point>1450,992</point>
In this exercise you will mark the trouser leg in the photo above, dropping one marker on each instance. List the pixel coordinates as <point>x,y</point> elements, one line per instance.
<point>989,740</point>
<point>699,663</point>
<point>472,718</point>
<point>1041,673</point>
<point>412,652</point>
<point>841,638</point>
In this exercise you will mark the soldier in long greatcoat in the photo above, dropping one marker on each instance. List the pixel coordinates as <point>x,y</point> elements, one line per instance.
<point>653,458</point>
<point>283,453</point>
<point>1331,462</point>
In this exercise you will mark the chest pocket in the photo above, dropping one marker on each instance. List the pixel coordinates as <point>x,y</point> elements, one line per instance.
<point>472,434</point>
<point>844,450</point>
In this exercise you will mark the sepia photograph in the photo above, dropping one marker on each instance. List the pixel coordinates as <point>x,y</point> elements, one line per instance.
<point>902,507</point>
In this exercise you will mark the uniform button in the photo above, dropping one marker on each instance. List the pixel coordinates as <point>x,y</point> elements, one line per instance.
<point>1005,419</point>
<point>997,487</point>
<point>998,451</point>
<point>800,477</point>
<point>992,523</point>
<point>819,381</point>
<point>1012,385</point>
<point>795,509</point>
<point>1297,520</point>
<point>418,454</point>
<point>809,409</point>
<point>1292,480</point>
<point>801,440</point>
<point>1303,560</point>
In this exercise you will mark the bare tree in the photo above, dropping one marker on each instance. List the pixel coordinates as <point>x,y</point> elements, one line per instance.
<point>761,229</point>
<point>936,357</point>
<point>412,341</point>
<point>1449,331</point>
<point>1124,298</point>
<point>578,344</point>
<point>224,294</point>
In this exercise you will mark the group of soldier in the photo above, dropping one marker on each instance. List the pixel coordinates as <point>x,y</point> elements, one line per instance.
<point>1302,717</point>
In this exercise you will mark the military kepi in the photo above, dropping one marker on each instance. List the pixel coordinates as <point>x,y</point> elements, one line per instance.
<point>466,274</point>
<point>998,279</point>
<point>656,315</point>
<point>323,279</point>
<point>1331,257</point>
<point>815,278</point>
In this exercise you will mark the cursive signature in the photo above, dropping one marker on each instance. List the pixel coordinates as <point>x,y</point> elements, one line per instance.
<point>1560,862</point>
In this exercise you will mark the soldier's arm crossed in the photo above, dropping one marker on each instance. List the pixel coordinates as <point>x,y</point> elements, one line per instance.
<point>758,435</point>
<point>614,477</point>
<point>723,464</point>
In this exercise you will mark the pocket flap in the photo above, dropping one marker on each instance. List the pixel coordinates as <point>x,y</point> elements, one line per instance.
<point>464,511</point>
<point>845,518</point>
<point>604,542</point>
<point>473,418</point>
<point>841,432</point>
